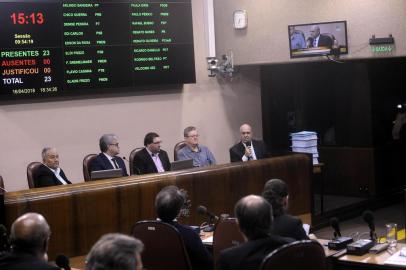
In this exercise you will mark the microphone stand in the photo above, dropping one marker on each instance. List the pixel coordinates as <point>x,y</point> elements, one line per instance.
<point>210,225</point>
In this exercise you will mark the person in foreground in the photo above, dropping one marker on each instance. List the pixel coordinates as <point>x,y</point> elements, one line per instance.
<point>168,204</point>
<point>200,154</point>
<point>29,239</point>
<point>49,173</point>
<point>254,215</point>
<point>115,251</point>
<point>151,159</point>
<point>108,159</point>
<point>276,193</point>
<point>247,148</point>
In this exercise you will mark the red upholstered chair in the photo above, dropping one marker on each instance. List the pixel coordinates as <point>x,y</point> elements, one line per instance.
<point>177,147</point>
<point>227,234</point>
<point>86,166</point>
<point>31,169</point>
<point>305,254</point>
<point>131,159</point>
<point>164,247</point>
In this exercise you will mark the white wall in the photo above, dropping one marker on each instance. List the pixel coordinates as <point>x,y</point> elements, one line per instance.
<point>217,107</point>
<point>266,38</point>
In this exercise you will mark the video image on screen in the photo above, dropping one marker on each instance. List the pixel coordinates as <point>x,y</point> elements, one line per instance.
<point>316,39</point>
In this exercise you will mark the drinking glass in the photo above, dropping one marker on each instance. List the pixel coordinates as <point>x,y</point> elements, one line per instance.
<point>391,234</point>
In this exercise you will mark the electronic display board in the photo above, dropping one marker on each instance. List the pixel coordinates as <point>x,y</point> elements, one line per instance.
<point>53,48</point>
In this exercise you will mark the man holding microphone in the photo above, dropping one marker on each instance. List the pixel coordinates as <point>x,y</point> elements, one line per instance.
<point>247,149</point>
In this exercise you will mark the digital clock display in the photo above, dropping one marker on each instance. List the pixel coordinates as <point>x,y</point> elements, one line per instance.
<point>53,48</point>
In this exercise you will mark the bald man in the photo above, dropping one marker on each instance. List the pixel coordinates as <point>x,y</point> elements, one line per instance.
<point>29,239</point>
<point>49,173</point>
<point>254,215</point>
<point>317,40</point>
<point>247,149</point>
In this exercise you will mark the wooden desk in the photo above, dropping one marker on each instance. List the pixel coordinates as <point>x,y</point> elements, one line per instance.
<point>79,214</point>
<point>367,261</point>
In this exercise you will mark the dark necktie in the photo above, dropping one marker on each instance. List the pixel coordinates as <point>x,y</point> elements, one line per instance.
<point>115,163</point>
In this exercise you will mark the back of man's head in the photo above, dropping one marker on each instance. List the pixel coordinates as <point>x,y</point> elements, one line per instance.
<point>168,203</point>
<point>115,252</point>
<point>275,192</point>
<point>30,233</point>
<point>254,216</point>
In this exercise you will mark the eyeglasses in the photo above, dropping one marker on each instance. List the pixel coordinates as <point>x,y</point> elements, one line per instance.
<point>193,136</point>
<point>158,142</point>
<point>115,144</point>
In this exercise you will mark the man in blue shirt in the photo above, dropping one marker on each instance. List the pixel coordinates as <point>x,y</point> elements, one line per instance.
<point>200,154</point>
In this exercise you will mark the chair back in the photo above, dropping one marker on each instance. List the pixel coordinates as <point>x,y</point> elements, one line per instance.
<point>305,254</point>
<point>2,190</point>
<point>164,247</point>
<point>31,169</point>
<point>86,166</point>
<point>227,234</point>
<point>131,159</point>
<point>177,147</point>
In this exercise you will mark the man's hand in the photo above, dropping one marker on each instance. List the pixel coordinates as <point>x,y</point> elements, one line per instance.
<point>248,151</point>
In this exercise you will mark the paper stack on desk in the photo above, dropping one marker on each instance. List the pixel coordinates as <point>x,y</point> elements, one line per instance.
<point>397,259</point>
<point>305,142</point>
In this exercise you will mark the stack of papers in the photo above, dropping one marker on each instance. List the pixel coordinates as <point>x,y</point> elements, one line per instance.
<point>396,259</point>
<point>305,142</point>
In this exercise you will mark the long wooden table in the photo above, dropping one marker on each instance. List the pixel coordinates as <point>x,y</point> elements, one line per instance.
<point>79,214</point>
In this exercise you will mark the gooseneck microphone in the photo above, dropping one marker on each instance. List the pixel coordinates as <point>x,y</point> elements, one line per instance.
<point>62,262</point>
<point>137,171</point>
<point>368,217</point>
<point>203,211</point>
<point>336,226</point>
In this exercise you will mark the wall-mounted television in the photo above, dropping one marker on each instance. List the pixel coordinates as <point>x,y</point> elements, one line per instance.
<point>317,39</point>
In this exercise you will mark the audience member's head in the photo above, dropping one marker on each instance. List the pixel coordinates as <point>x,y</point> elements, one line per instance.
<point>50,157</point>
<point>30,234</point>
<point>152,141</point>
<point>254,215</point>
<point>168,203</point>
<point>115,252</point>
<point>109,144</point>
<point>276,193</point>
<point>246,133</point>
<point>191,136</point>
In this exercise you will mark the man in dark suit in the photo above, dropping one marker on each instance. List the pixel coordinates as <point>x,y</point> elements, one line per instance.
<point>254,216</point>
<point>318,40</point>
<point>276,193</point>
<point>247,148</point>
<point>108,159</point>
<point>151,159</point>
<point>168,204</point>
<point>49,173</point>
<point>29,244</point>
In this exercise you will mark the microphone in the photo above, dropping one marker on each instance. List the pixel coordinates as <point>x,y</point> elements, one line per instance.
<point>203,211</point>
<point>338,242</point>
<point>212,217</point>
<point>3,189</point>
<point>336,226</point>
<point>62,262</point>
<point>4,244</point>
<point>138,172</point>
<point>368,217</point>
<point>248,143</point>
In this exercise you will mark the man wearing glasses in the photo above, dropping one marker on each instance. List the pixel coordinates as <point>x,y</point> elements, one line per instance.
<point>108,159</point>
<point>151,159</point>
<point>200,154</point>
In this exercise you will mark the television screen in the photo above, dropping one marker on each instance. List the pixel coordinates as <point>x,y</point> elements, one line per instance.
<point>51,48</point>
<point>315,39</point>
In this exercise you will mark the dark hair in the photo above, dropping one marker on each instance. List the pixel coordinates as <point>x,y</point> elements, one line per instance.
<point>274,192</point>
<point>187,130</point>
<point>114,251</point>
<point>105,140</point>
<point>168,203</point>
<point>254,216</point>
<point>149,138</point>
